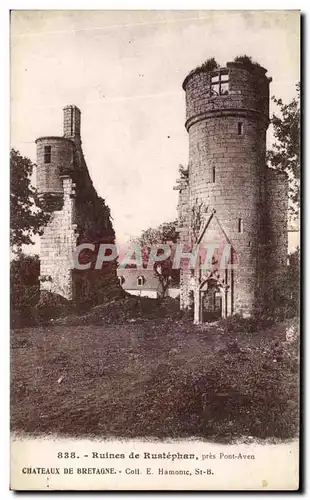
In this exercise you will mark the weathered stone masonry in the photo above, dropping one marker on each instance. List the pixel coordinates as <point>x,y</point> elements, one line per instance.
<point>244,203</point>
<point>77,213</point>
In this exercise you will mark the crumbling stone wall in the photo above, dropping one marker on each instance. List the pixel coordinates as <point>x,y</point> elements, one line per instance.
<point>78,215</point>
<point>184,238</point>
<point>57,246</point>
<point>277,244</point>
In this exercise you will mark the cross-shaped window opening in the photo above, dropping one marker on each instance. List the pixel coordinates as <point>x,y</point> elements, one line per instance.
<point>219,83</point>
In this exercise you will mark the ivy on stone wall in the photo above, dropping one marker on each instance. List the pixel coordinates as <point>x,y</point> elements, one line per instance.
<point>94,225</point>
<point>198,211</point>
<point>93,216</point>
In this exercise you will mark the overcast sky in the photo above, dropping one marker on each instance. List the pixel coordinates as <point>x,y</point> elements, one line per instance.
<point>124,70</point>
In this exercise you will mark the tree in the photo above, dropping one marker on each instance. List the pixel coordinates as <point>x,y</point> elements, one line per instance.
<point>293,278</point>
<point>164,234</point>
<point>26,218</point>
<point>25,288</point>
<point>166,274</point>
<point>285,152</point>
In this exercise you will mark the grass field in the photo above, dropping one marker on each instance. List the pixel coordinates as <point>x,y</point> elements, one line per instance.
<point>155,379</point>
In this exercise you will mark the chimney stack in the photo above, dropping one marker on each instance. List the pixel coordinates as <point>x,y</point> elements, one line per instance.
<point>72,122</point>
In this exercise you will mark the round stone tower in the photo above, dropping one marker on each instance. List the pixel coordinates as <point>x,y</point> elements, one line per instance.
<point>54,157</point>
<point>56,163</point>
<point>227,116</point>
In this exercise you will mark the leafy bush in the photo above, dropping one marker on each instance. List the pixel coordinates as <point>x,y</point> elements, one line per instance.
<point>29,306</point>
<point>51,306</point>
<point>247,61</point>
<point>126,309</point>
<point>208,65</point>
<point>236,323</point>
<point>94,287</point>
<point>25,289</point>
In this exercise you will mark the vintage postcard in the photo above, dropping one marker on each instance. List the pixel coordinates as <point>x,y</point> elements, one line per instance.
<point>155,178</point>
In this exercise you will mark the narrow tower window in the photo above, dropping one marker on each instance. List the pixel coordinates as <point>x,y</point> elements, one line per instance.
<point>240,226</point>
<point>47,154</point>
<point>240,128</point>
<point>140,281</point>
<point>72,118</point>
<point>213,174</point>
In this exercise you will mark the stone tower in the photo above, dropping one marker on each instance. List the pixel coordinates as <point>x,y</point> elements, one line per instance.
<point>78,215</point>
<point>228,197</point>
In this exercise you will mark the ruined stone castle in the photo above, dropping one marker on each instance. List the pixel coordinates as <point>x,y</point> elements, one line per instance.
<point>228,195</point>
<point>77,215</point>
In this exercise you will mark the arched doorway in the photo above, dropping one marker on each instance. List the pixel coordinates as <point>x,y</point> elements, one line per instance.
<point>211,304</point>
<point>212,299</point>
